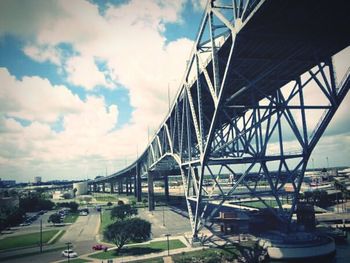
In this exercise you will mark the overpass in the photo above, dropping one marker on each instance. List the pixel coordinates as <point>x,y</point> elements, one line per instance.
<point>241,108</point>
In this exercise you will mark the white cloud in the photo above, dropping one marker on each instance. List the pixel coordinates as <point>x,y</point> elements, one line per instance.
<point>83,71</point>
<point>43,53</point>
<point>35,99</point>
<point>87,126</point>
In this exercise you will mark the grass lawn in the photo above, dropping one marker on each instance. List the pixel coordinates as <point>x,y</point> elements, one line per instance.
<point>106,198</point>
<point>26,240</point>
<point>71,218</point>
<point>19,255</point>
<point>106,219</point>
<point>153,247</point>
<point>258,204</point>
<point>58,237</point>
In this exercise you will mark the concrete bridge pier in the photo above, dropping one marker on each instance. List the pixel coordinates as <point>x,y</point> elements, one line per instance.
<point>120,187</point>
<point>135,186</point>
<point>111,187</point>
<point>150,191</point>
<point>166,188</point>
<point>138,187</point>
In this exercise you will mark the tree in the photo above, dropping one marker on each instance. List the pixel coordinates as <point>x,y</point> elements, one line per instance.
<point>123,211</point>
<point>35,203</point>
<point>55,219</point>
<point>132,229</point>
<point>72,205</point>
<point>75,191</point>
<point>109,203</point>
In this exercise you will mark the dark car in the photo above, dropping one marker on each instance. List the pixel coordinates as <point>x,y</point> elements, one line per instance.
<point>99,247</point>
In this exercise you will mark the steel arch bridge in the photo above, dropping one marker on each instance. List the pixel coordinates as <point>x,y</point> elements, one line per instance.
<point>241,108</point>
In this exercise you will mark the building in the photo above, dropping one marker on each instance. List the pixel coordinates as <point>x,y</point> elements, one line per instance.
<point>81,188</point>
<point>7,183</point>
<point>37,179</point>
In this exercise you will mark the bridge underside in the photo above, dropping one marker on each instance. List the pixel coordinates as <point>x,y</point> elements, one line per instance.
<point>257,95</point>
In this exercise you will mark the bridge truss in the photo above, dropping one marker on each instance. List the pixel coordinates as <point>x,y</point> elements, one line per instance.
<point>244,107</point>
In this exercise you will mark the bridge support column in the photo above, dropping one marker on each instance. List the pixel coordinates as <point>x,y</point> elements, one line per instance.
<point>135,187</point>
<point>138,187</point>
<point>120,187</point>
<point>166,188</point>
<point>103,187</point>
<point>150,192</point>
<point>112,187</point>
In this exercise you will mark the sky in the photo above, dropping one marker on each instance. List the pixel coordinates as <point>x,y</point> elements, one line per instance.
<point>83,83</point>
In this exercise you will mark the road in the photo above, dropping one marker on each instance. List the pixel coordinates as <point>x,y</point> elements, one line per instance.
<point>82,234</point>
<point>174,223</point>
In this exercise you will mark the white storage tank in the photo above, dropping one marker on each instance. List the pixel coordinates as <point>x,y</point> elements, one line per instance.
<point>82,188</point>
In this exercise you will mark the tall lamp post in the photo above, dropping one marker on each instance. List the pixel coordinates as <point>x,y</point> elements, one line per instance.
<point>68,247</point>
<point>41,235</point>
<point>167,239</point>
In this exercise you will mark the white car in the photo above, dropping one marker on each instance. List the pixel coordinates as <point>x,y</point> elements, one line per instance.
<point>69,253</point>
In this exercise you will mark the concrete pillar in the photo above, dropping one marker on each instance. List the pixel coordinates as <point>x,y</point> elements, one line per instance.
<point>112,187</point>
<point>138,189</point>
<point>150,191</point>
<point>166,188</point>
<point>120,187</point>
<point>135,186</point>
<point>103,187</point>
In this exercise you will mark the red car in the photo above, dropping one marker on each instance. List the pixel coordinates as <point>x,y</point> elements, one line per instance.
<point>99,247</point>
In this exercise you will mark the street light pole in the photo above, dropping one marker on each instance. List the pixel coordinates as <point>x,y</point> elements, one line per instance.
<point>167,238</point>
<point>68,246</point>
<point>41,235</point>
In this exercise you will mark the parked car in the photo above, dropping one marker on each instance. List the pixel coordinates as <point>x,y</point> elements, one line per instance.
<point>83,213</point>
<point>69,253</point>
<point>99,247</point>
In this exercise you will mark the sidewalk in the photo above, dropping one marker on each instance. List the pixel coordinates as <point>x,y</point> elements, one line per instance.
<point>164,254</point>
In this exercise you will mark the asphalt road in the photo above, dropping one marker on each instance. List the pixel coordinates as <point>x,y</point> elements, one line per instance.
<point>173,223</point>
<point>82,234</point>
